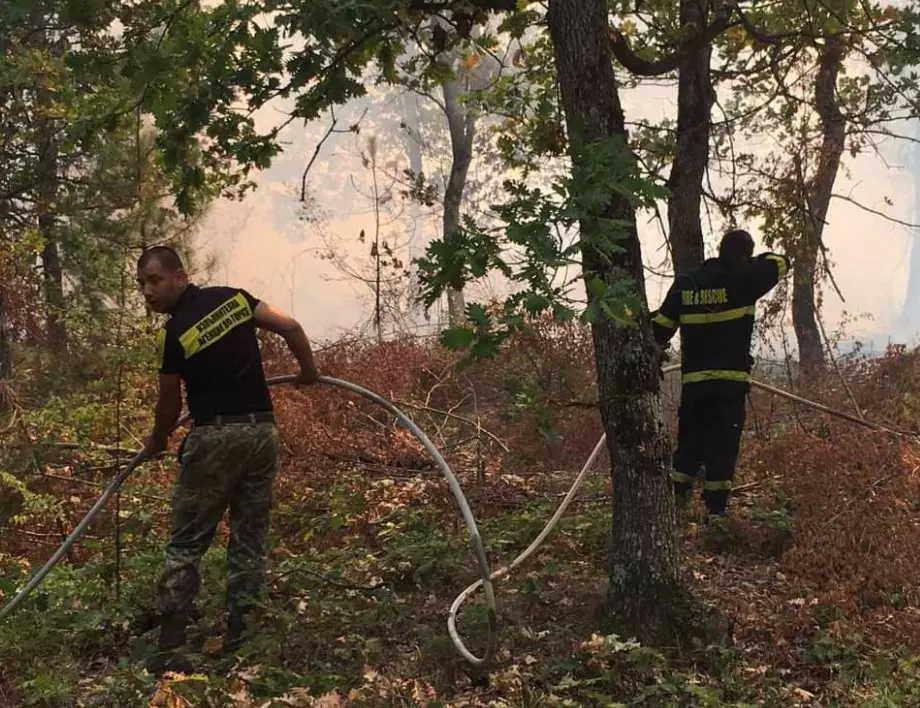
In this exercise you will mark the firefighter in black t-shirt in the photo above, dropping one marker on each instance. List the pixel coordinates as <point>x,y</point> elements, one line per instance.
<point>229,457</point>
<point>714,307</point>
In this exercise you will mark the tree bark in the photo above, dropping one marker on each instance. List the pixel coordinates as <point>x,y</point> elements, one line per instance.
<point>46,207</point>
<point>375,247</point>
<point>695,97</point>
<point>462,126</point>
<point>804,305</point>
<point>46,197</point>
<point>418,241</point>
<point>815,200</point>
<point>645,597</point>
<point>6,345</point>
<point>53,285</point>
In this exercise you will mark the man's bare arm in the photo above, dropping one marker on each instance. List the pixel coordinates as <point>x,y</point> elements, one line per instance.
<point>168,408</point>
<point>273,320</point>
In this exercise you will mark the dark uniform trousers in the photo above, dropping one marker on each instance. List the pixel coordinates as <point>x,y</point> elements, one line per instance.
<point>224,465</point>
<point>708,439</point>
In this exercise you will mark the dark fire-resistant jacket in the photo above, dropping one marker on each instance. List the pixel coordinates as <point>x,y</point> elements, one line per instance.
<point>713,306</point>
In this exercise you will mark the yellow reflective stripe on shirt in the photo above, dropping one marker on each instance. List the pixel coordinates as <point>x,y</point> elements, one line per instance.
<point>660,319</point>
<point>217,323</point>
<point>715,375</point>
<point>161,346</point>
<point>780,265</point>
<point>681,478</point>
<point>712,317</point>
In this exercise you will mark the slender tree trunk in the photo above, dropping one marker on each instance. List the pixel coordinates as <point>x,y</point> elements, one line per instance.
<point>6,344</point>
<point>53,285</point>
<point>645,597</point>
<point>46,204</point>
<point>375,249</point>
<point>418,241</point>
<point>695,97</point>
<point>47,226</point>
<point>815,199</point>
<point>462,125</point>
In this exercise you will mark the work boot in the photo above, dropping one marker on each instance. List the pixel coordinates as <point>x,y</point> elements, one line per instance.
<point>172,638</point>
<point>717,530</point>
<point>148,619</point>
<point>233,639</point>
<point>143,622</point>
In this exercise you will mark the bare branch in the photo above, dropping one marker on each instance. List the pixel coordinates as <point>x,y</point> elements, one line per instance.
<point>319,146</point>
<point>882,214</point>
<point>451,414</point>
<point>829,271</point>
<point>431,97</point>
<point>642,67</point>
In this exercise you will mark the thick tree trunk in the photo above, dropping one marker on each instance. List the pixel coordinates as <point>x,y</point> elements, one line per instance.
<point>695,97</point>
<point>645,597</point>
<point>462,125</point>
<point>815,201</point>
<point>804,306</point>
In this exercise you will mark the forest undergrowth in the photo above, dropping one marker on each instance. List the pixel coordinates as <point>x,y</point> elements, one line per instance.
<point>817,567</point>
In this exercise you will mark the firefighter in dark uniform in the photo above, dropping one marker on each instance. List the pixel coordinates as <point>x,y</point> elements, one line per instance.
<point>713,306</point>
<point>228,459</point>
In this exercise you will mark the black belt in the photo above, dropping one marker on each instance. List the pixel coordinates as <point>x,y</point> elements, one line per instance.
<point>229,418</point>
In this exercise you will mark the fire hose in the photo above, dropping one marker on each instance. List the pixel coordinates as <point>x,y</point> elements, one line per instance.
<point>475,539</point>
<point>582,475</point>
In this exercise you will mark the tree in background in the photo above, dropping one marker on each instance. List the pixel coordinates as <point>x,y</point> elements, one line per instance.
<point>677,38</point>
<point>820,80</point>
<point>428,116</point>
<point>380,269</point>
<point>83,186</point>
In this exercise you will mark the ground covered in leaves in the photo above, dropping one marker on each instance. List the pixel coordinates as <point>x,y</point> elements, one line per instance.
<point>817,567</point>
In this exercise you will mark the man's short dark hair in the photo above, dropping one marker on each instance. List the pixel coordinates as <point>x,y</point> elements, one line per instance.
<point>736,246</point>
<point>166,256</point>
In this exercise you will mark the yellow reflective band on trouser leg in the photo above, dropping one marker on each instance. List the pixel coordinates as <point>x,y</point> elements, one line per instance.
<point>681,478</point>
<point>722,485</point>
<point>715,375</point>
<point>663,321</point>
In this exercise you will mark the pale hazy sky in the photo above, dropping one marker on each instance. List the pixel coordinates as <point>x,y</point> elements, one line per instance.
<point>261,246</point>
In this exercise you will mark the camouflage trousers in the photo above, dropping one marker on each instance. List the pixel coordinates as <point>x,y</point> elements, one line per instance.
<point>221,466</point>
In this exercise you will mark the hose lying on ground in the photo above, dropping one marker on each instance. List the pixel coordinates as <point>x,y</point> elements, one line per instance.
<point>582,475</point>
<point>475,539</point>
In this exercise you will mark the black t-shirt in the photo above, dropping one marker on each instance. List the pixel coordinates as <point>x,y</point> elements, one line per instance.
<point>210,341</point>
